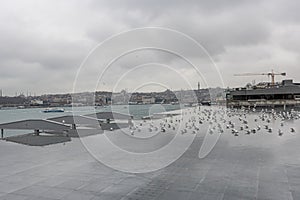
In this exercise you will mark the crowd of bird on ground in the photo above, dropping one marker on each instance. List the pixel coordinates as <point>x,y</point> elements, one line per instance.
<point>220,120</point>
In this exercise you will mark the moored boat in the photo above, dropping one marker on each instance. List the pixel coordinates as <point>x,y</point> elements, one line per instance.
<point>50,110</point>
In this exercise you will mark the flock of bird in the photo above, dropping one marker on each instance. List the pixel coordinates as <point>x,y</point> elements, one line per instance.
<point>220,120</point>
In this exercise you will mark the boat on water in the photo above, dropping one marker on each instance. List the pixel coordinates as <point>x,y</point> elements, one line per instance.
<point>51,110</point>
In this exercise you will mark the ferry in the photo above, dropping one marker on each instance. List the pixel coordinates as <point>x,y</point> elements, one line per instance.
<point>51,110</point>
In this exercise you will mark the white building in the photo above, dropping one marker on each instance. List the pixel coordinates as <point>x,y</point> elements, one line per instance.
<point>36,102</point>
<point>148,100</point>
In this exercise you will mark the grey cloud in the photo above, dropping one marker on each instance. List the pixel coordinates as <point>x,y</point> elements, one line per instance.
<point>50,39</point>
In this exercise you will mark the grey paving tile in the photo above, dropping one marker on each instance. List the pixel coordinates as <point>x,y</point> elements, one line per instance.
<point>218,186</point>
<point>53,181</point>
<point>79,195</point>
<point>22,178</point>
<point>171,195</point>
<point>96,187</point>
<point>144,193</point>
<point>55,193</point>
<point>134,181</point>
<point>40,198</point>
<point>240,192</point>
<point>206,196</point>
<point>185,184</point>
<point>273,190</point>
<point>108,197</point>
<point>11,187</point>
<point>13,197</point>
<point>79,176</point>
<point>34,190</point>
<point>120,189</point>
<point>72,184</point>
<point>295,194</point>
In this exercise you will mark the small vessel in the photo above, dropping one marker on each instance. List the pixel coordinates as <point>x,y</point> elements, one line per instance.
<point>50,110</point>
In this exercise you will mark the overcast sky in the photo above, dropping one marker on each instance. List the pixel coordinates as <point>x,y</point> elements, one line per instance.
<point>44,42</point>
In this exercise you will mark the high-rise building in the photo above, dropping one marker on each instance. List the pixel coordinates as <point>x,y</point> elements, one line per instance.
<point>0,92</point>
<point>198,85</point>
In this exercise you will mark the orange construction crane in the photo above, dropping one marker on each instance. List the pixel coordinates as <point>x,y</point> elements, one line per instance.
<point>272,74</point>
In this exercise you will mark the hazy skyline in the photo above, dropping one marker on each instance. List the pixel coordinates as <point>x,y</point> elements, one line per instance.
<point>44,42</point>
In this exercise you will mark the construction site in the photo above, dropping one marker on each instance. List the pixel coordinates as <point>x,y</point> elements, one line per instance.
<point>265,94</point>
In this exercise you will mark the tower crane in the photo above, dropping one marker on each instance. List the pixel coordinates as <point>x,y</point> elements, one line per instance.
<point>269,74</point>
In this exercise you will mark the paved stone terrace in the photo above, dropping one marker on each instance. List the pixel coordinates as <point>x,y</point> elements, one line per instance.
<point>246,167</point>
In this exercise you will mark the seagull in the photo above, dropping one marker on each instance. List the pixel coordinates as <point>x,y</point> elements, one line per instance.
<point>270,130</point>
<point>266,127</point>
<point>280,133</point>
<point>258,127</point>
<point>292,130</point>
